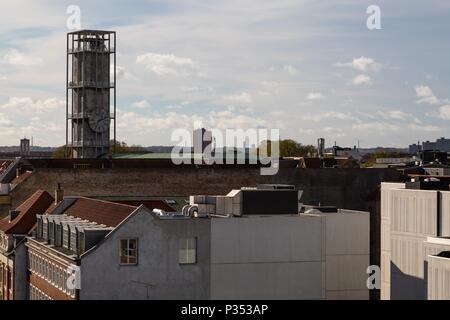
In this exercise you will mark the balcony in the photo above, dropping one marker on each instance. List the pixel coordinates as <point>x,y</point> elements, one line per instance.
<point>91,84</point>
<point>84,115</point>
<point>90,49</point>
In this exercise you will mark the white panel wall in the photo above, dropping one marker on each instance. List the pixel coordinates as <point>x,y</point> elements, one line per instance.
<point>438,278</point>
<point>386,208</point>
<point>445,214</point>
<point>347,254</point>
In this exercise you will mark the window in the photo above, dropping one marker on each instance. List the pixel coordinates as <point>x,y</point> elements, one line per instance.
<point>58,235</point>
<point>66,238</point>
<point>187,253</point>
<point>39,227</point>
<point>73,240</point>
<point>128,251</point>
<point>51,232</point>
<point>44,230</point>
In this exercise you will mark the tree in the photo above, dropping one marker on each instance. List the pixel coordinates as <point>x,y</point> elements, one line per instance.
<point>288,148</point>
<point>60,152</point>
<point>121,147</point>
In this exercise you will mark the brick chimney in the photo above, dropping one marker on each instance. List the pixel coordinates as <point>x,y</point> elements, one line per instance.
<point>13,214</point>
<point>59,194</point>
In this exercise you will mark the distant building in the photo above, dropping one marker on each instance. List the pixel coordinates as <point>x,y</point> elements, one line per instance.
<point>25,147</point>
<point>414,148</point>
<point>415,231</point>
<point>347,152</point>
<point>202,138</point>
<point>442,144</point>
<point>427,145</point>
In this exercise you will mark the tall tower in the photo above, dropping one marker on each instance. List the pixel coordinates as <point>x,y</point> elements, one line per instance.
<point>90,93</point>
<point>24,147</point>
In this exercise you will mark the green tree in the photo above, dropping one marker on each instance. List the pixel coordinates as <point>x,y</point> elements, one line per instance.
<point>60,152</point>
<point>288,148</point>
<point>121,147</point>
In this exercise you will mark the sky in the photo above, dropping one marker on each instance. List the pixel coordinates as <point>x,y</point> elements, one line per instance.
<point>308,68</point>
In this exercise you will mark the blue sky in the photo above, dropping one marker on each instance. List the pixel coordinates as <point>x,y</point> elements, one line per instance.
<point>310,68</point>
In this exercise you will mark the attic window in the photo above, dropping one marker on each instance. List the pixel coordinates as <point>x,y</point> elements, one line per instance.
<point>128,251</point>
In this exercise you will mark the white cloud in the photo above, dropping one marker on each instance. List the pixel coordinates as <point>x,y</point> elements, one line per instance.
<point>290,70</point>
<point>362,79</point>
<point>315,96</point>
<point>243,97</point>
<point>166,64</point>
<point>425,95</point>
<point>361,64</point>
<point>423,128</point>
<point>398,115</point>
<point>141,104</point>
<point>122,73</point>
<point>136,125</point>
<point>14,57</point>
<point>444,112</point>
<point>378,127</point>
<point>30,107</point>
<point>330,115</point>
<point>41,118</point>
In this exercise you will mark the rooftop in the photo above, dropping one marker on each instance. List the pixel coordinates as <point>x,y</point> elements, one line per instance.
<point>38,203</point>
<point>100,211</point>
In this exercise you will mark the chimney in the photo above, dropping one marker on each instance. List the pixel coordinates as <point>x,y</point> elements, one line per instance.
<point>59,194</point>
<point>13,214</point>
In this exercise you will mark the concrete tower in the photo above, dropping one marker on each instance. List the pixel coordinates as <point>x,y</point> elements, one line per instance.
<point>91,93</point>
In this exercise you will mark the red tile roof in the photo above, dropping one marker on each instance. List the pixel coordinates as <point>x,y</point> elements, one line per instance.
<point>24,222</point>
<point>4,164</point>
<point>103,212</point>
<point>22,177</point>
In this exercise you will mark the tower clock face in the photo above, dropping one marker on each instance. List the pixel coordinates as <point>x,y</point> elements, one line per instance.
<point>99,120</point>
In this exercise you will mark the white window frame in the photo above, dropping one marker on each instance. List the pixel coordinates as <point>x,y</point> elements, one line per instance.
<point>187,251</point>
<point>128,249</point>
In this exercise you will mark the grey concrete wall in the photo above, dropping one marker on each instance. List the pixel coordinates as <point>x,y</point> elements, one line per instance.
<point>290,257</point>
<point>347,254</point>
<point>158,274</point>
<point>20,272</point>
<point>271,257</point>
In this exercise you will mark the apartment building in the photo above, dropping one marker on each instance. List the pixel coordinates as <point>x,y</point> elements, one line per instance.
<point>13,230</point>
<point>249,244</point>
<point>415,239</point>
<point>117,251</point>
